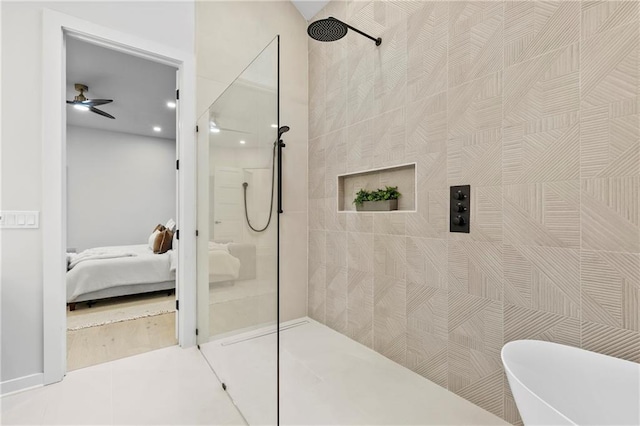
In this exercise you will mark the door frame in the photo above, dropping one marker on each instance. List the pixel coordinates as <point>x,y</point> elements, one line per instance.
<point>55,28</point>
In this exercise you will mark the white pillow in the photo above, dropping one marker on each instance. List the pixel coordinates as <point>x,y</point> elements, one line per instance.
<point>217,246</point>
<point>171,225</point>
<point>152,239</point>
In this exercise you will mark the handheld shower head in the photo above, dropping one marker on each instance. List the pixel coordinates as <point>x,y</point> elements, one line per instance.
<point>283,129</point>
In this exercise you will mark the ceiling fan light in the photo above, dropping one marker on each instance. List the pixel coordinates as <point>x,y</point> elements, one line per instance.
<point>81,107</point>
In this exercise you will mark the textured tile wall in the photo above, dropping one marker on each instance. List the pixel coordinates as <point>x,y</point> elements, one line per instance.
<point>534,104</point>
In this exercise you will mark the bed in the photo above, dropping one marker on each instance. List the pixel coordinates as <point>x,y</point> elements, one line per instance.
<point>105,272</point>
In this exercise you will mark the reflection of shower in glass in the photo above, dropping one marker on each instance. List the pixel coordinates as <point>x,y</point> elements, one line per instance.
<point>277,144</point>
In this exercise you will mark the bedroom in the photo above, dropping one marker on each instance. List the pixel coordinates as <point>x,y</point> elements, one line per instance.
<point>121,186</point>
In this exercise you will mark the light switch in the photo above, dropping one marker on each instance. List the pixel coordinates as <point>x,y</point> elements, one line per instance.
<point>19,219</point>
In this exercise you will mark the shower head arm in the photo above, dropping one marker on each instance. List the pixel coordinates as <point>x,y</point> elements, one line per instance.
<point>378,40</point>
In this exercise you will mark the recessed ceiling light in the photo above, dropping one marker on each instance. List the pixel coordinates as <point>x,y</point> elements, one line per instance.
<point>215,130</point>
<point>171,104</point>
<point>275,126</point>
<point>242,142</point>
<point>81,107</point>
<point>157,129</point>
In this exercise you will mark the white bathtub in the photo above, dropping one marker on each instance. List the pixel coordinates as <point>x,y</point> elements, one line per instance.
<point>561,385</point>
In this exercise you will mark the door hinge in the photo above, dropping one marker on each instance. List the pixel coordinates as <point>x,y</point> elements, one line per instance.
<point>197,129</point>
<point>177,164</point>
<point>196,331</point>
<point>196,232</point>
<point>177,305</point>
<point>177,234</point>
<point>177,94</point>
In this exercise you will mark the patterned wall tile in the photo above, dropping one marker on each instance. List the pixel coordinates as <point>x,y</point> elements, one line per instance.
<point>405,179</point>
<point>390,259</point>
<point>317,248</point>
<point>427,262</point>
<point>360,251</point>
<point>336,85</point>
<point>333,220</point>
<point>534,28</point>
<point>427,125</point>
<point>610,214</point>
<point>544,214</point>
<point>316,213</point>
<point>427,332</point>
<point>360,81</point>
<point>476,269</point>
<point>544,87</point>
<point>610,66</point>
<point>431,220</point>
<point>317,293</point>
<point>336,160</point>
<point>522,323</point>
<point>360,306</point>
<point>603,15</point>
<point>336,297</point>
<point>475,340</point>
<point>360,222</point>
<point>542,151</point>
<point>317,92</point>
<point>543,278</point>
<point>611,289</point>
<point>317,169</point>
<point>610,140</point>
<point>389,138</point>
<point>475,132</point>
<point>360,147</point>
<point>336,248</point>
<point>389,317</point>
<point>475,40</point>
<point>389,223</point>
<point>431,170</point>
<point>427,31</point>
<point>390,78</point>
<point>611,341</point>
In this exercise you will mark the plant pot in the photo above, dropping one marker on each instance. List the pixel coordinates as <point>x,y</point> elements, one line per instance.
<point>377,206</point>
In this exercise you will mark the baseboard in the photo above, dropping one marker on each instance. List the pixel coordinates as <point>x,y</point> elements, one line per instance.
<point>21,383</point>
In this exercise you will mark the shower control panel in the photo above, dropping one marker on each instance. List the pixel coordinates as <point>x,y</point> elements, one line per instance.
<point>459,214</point>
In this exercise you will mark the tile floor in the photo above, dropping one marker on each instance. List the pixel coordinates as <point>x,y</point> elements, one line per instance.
<point>327,378</point>
<point>170,386</point>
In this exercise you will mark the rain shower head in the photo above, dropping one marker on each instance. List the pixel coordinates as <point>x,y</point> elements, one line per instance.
<point>332,29</point>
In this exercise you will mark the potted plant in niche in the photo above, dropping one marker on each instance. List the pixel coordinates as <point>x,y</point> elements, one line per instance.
<point>379,200</point>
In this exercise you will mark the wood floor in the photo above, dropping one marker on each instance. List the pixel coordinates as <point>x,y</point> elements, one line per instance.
<point>96,345</point>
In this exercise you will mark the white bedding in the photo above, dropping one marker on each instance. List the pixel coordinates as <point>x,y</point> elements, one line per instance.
<point>223,266</point>
<point>141,267</point>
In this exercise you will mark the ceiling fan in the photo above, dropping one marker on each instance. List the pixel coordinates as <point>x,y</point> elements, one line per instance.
<point>81,102</point>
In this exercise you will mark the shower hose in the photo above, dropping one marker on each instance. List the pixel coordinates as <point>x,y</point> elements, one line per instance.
<point>273,178</point>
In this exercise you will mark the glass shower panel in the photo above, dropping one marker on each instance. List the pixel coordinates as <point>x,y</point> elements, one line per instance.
<point>238,238</point>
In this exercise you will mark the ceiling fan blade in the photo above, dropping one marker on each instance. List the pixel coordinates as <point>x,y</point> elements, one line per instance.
<point>100,112</point>
<point>96,102</point>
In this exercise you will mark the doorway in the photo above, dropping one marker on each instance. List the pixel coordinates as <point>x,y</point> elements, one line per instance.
<point>121,185</point>
<point>57,29</point>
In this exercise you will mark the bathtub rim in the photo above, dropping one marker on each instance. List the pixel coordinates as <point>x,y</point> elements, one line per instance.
<point>511,375</point>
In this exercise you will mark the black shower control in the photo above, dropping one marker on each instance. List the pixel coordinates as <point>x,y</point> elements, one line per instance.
<point>458,220</point>
<point>459,214</point>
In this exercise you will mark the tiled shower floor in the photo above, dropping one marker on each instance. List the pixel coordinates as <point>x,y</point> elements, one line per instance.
<point>327,378</point>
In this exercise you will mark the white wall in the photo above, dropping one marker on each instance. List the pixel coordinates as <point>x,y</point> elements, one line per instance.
<point>170,23</point>
<point>229,35</point>
<point>119,187</point>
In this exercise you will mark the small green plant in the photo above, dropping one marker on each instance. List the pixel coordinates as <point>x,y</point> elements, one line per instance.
<point>389,193</point>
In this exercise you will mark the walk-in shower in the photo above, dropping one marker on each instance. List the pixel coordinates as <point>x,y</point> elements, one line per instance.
<point>332,29</point>
<point>277,149</point>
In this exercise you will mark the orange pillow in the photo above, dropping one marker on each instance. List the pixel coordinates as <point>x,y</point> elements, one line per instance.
<point>163,240</point>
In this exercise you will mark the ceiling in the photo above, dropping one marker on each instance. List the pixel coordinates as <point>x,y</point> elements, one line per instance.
<point>309,8</point>
<point>140,90</point>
